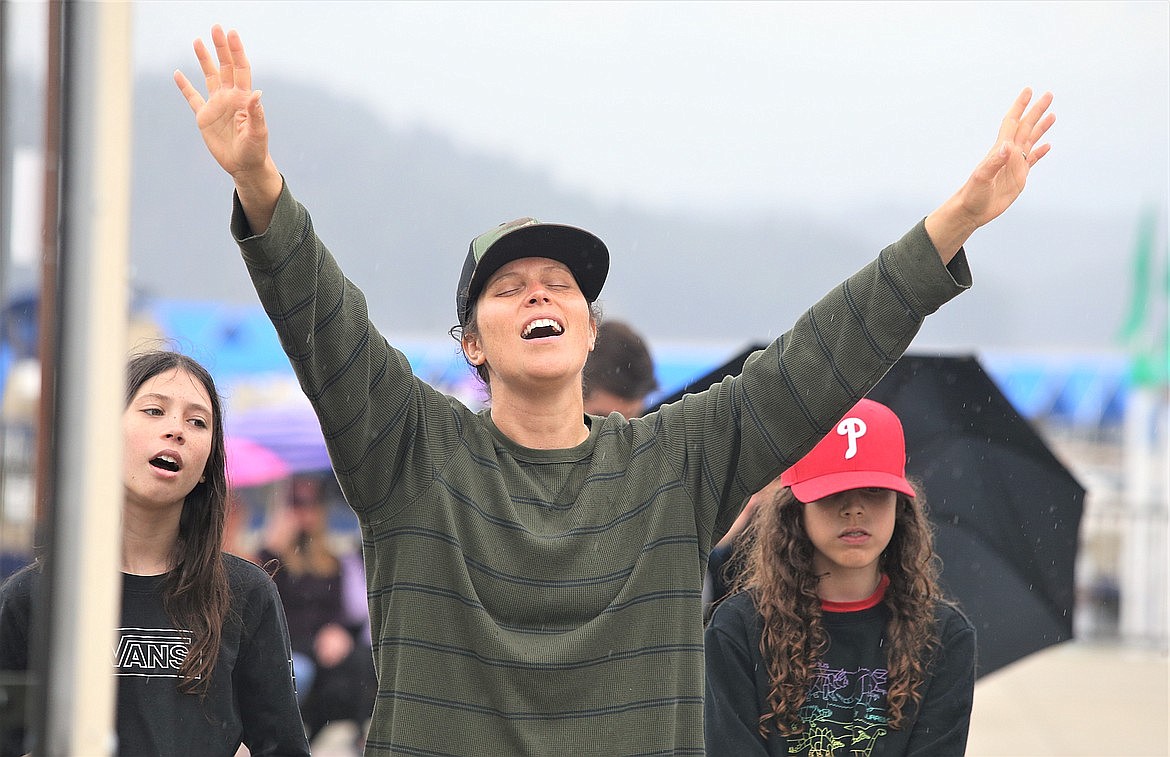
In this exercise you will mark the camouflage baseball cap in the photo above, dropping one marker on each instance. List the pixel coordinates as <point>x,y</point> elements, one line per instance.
<point>586,256</point>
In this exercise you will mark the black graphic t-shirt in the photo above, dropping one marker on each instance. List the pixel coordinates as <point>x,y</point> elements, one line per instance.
<point>845,712</point>
<point>251,699</point>
<point>151,652</point>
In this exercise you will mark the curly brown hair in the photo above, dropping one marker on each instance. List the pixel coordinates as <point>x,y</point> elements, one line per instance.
<point>778,572</point>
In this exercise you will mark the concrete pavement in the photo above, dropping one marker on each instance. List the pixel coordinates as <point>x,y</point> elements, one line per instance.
<point>1077,698</point>
<point>1072,700</point>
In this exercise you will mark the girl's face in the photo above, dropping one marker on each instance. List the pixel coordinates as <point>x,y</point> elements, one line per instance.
<point>849,530</point>
<point>167,437</point>
<point>534,324</point>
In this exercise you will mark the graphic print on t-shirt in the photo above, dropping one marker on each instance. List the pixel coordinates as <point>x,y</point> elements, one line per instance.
<point>844,713</point>
<point>151,652</point>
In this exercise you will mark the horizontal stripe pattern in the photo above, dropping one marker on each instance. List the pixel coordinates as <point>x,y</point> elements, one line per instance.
<point>544,602</point>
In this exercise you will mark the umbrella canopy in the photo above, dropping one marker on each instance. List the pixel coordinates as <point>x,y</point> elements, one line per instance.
<point>732,367</point>
<point>252,464</point>
<point>291,431</point>
<point>1006,510</point>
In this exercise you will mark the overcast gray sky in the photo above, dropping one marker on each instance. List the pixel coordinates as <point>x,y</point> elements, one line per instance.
<point>729,105</point>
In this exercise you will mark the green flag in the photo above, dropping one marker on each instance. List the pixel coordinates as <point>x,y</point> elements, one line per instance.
<point>1145,330</point>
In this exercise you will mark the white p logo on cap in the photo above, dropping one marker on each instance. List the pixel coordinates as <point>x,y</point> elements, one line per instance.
<point>854,429</point>
<point>839,462</point>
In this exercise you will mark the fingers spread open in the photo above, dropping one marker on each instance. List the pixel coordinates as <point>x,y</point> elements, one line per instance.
<point>1034,124</point>
<point>1024,126</point>
<point>1038,130</point>
<point>1011,121</point>
<point>1034,114</point>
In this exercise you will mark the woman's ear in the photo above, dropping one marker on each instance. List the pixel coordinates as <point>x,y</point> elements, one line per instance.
<point>472,349</point>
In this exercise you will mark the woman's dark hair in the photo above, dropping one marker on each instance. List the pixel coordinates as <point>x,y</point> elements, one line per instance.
<point>195,591</point>
<point>472,329</point>
<point>778,572</point>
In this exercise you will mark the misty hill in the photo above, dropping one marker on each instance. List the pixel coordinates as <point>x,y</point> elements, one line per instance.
<point>398,207</point>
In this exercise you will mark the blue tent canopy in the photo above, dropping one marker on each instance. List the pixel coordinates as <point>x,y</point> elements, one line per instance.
<point>231,341</point>
<point>1087,392</point>
<point>237,343</point>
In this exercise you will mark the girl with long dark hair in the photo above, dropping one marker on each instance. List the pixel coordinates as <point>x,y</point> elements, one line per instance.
<point>202,651</point>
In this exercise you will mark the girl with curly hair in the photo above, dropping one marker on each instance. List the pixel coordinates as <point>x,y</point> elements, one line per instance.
<point>838,640</point>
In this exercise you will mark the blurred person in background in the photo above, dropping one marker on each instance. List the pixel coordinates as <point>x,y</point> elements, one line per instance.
<point>201,654</point>
<point>322,587</point>
<point>236,529</point>
<point>619,372</point>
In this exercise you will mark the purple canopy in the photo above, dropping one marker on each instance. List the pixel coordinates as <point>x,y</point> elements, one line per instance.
<point>291,431</point>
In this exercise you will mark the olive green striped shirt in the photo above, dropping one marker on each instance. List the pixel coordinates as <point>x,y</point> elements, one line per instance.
<point>548,602</point>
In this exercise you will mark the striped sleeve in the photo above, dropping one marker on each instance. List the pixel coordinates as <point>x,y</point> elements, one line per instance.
<point>734,438</point>
<point>370,404</point>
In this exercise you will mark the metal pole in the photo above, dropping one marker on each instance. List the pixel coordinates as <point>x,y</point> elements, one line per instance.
<point>47,339</point>
<point>47,313</point>
<point>87,508</point>
<point>5,165</point>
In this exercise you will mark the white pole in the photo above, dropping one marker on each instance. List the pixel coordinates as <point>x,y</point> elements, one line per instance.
<point>1135,583</point>
<point>95,245</point>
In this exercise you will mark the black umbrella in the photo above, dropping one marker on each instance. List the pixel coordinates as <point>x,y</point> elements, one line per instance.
<point>1006,511</point>
<point>732,367</point>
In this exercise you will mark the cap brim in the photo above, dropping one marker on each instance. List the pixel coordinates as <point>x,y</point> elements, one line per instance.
<point>835,483</point>
<point>586,256</point>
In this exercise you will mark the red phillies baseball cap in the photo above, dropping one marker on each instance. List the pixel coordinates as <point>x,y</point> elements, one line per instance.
<point>865,449</point>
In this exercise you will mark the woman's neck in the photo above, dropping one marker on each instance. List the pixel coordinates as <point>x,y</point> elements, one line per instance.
<point>544,421</point>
